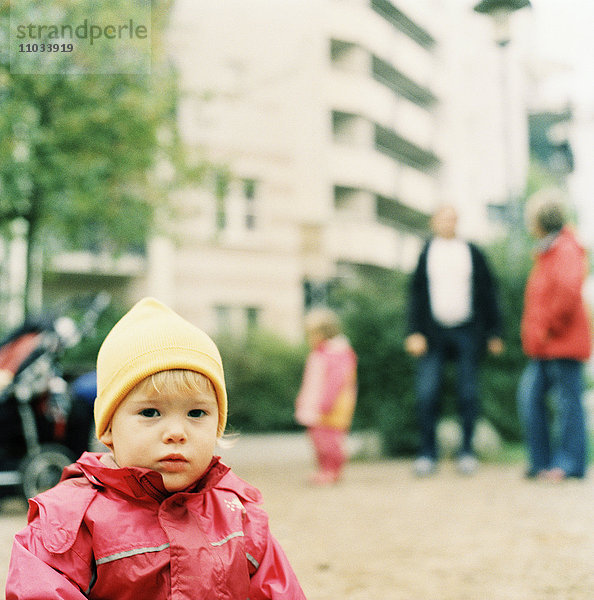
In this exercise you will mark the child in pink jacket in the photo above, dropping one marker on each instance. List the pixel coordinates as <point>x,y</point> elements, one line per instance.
<point>326,401</point>
<point>159,516</point>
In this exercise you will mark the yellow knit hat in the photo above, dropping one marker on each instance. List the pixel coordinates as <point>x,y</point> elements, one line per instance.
<point>150,338</point>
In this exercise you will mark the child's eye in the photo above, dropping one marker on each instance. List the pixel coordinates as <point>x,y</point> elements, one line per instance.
<point>149,412</point>
<point>196,413</point>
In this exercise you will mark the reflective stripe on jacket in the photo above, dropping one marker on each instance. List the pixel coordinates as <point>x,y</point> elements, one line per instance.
<point>116,534</point>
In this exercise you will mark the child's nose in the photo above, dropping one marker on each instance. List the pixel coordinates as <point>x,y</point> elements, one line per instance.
<point>174,431</point>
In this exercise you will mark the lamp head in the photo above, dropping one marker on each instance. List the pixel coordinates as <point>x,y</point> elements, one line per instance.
<point>500,11</point>
<point>489,7</point>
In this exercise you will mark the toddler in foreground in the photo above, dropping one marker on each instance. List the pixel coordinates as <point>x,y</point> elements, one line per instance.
<point>159,516</point>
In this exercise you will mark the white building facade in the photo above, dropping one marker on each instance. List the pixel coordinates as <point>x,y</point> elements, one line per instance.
<point>325,141</point>
<point>337,126</point>
<point>334,128</point>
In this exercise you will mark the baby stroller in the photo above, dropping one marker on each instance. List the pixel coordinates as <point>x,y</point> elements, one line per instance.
<point>40,419</point>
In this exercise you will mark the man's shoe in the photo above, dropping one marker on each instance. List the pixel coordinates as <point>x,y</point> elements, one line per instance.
<point>467,464</point>
<point>424,466</point>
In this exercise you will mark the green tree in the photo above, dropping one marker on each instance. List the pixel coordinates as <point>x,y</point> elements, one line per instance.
<point>79,153</point>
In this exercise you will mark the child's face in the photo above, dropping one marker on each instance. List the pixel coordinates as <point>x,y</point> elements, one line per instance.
<point>314,337</point>
<point>170,433</point>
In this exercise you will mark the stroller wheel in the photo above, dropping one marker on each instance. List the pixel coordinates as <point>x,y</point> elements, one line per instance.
<point>43,470</point>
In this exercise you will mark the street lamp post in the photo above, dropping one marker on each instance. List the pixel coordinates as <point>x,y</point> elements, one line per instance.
<point>501,11</point>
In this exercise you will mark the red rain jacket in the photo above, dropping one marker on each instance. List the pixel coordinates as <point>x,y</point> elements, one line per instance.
<point>116,534</point>
<point>328,392</point>
<point>555,320</point>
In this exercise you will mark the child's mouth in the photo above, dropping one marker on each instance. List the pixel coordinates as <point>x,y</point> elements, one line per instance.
<point>173,462</point>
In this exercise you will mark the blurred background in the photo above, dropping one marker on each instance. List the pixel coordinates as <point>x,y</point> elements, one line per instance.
<point>284,154</point>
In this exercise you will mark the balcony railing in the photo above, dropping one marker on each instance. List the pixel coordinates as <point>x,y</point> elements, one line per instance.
<point>400,84</point>
<point>389,142</point>
<point>397,18</point>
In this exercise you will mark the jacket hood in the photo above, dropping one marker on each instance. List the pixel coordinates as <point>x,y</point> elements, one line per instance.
<point>136,481</point>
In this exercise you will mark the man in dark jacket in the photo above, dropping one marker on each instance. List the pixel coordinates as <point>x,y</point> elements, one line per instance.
<point>453,313</point>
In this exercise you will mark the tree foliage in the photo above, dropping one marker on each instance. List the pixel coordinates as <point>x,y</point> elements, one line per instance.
<point>79,153</point>
<point>263,375</point>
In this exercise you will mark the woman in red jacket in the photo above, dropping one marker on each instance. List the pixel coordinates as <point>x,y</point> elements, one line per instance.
<point>556,337</point>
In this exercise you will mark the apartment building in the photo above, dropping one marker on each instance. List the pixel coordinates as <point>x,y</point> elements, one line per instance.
<point>333,128</point>
<point>320,120</point>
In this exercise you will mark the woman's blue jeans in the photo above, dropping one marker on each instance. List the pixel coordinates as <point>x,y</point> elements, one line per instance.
<point>556,433</point>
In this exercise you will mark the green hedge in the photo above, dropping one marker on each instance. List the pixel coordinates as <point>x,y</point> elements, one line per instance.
<point>263,372</point>
<point>263,375</point>
<point>500,375</point>
<point>373,314</point>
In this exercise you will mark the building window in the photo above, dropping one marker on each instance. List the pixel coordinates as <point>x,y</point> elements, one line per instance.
<point>236,320</point>
<point>252,318</point>
<point>344,126</point>
<point>222,181</point>
<point>223,319</point>
<point>249,193</point>
<point>344,197</point>
<point>235,204</point>
<point>315,293</point>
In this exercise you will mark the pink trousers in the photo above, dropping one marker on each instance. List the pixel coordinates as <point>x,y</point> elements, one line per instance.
<point>329,448</point>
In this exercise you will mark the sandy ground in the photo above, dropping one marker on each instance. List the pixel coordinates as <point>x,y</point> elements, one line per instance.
<point>381,533</point>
